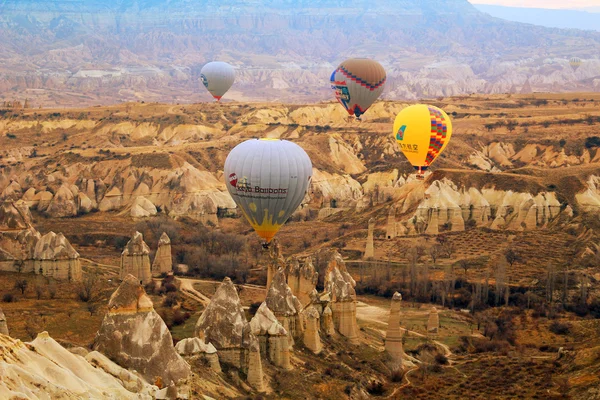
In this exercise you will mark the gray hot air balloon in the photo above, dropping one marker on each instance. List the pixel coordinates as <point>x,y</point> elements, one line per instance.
<point>267,178</point>
<point>217,77</point>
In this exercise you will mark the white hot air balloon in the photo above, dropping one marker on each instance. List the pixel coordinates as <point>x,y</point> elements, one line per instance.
<point>268,179</point>
<point>217,77</point>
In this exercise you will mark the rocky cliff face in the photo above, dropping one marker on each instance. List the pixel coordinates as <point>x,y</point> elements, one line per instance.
<point>157,50</point>
<point>55,257</point>
<point>134,336</point>
<point>44,369</point>
<point>135,259</point>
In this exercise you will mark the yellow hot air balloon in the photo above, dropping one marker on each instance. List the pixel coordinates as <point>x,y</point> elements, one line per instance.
<point>422,132</point>
<point>575,63</point>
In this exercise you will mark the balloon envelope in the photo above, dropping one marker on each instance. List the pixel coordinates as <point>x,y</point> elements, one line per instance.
<point>575,63</point>
<point>217,77</point>
<point>357,83</point>
<point>268,179</point>
<point>422,132</point>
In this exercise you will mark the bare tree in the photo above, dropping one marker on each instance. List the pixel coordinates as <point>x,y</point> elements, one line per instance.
<point>512,257</point>
<point>92,307</point>
<point>500,275</point>
<point>550,283</point>
<point>39,291</point>
<point>465,264</point>
<point>88,289</point>
<point>21,284</point>
<point>434,252</point>
<point>34,325</point>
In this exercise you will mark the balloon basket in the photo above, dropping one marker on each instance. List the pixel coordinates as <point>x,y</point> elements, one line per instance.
<point>266,245</point>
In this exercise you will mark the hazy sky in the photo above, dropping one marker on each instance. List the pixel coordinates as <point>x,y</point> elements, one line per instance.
<point>570,4</point>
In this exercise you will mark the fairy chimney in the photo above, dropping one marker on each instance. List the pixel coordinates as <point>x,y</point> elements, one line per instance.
<point>302,279</point>
<point>163,262</point>
<point>54,257</point>
<point>135,259</point>
<point>433,323</point>
<point>393,337</point>
<point>340,285</point>
<point>312,340</point>
<point>223,323</point>
<point>285,306</point>
<point>272,337</point>
<point>3,325</point>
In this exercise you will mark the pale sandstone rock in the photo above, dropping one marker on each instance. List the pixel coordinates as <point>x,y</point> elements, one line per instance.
<point>272,337</point>
<point>327,324</point>
<point>163,261</point>
<point>43,369</point>
<point>302,279</point>
<point>197,347</point>
<point>312,339</point>
<point>54,257</point>
<point>63,204</point>
<point>85,204</point>
<point>393,337</point>
<point>275,261</point>
<point>134,336</point>
<point>391,227</point>
<point>340,285</point>
<point>285,306</point>
<point>223,323</point>
<point>43,200</point>
<point>433,323</point>
<point>12,192</point>
<point>142,208</point>
<point>135,259</point>
<point>3,324</point>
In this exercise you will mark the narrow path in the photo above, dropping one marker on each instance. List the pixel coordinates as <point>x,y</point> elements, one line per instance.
<point>187,288</point>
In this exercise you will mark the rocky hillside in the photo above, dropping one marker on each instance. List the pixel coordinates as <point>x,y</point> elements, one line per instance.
<point>90,52</point>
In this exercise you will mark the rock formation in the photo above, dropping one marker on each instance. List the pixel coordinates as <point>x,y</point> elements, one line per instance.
<point>340,285</point>
<point>134,336</point>
<point>285,306</point>
<point>43,369</point>
<point>223,323</point>
<point>3,325</point>
<point>63,204</point>
<point>18,237</point>
<point>312,339</point>
<point>272,336</point>
<point>135,259</point>
<point>327,325</point>
<point>393,337</point>
<point>370,249</point>
<point>302,279</point>
<point>433,323</point>
<point>54,257</point>
<point>275,261</point>
<point>163,261</point>
<point>196,347</point>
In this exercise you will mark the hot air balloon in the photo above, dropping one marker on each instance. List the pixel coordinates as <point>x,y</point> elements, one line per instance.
<point>217,77</point>
<point>422,132</point>
<point>575,63</point>
<point>268,179</point>
<point>358,82</point>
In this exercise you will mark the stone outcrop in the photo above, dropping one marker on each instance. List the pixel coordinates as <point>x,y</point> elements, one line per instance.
<point>285,306</point>
<point>275,261</point>
<point>43,369</point>
<point>340,285</point>
<point>190,347</point>
<point>433,322</point>
<point>163,261</point>
<point>302,279</point>
<point>327,325</point>
<point>134,336</point>
<point>393,337</point>
<point>135,259</point>
<point>223,323</point>
<point>54,257</point>
<point>445,207</point>
<point>312,339</point>
<point>272,337</point>
<point>3,324</point>
<point>370,249</point>
<point>63,204</point>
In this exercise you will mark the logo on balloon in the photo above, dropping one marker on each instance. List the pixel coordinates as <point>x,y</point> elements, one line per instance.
<point>233,180</point>
<point>400,134</point>
<point>204,80</point>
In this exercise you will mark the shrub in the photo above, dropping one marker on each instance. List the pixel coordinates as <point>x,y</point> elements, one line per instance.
<point>560,328</point>
<point>375,388</point>
<point>9,298</point>
<point>170,300</point>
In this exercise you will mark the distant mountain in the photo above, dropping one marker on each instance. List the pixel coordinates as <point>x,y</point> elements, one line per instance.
<point>568,19</point>
<point>83,52</point>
